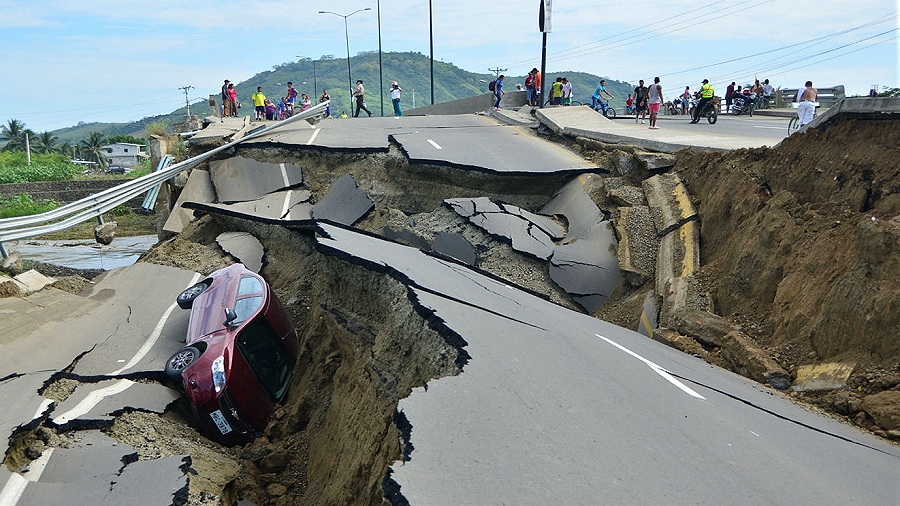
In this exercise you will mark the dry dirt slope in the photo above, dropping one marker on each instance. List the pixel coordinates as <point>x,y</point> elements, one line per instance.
<point>800,245</point>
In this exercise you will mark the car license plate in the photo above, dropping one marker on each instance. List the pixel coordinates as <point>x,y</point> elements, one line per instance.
<point>220,422</point>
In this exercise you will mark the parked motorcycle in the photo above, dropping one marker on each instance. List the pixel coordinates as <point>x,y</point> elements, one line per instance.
<point>741,104</point>
<point>673,108</point>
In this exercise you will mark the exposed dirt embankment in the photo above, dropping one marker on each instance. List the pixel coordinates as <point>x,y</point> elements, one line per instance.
<point>363,348</point>
<point>799,247</point>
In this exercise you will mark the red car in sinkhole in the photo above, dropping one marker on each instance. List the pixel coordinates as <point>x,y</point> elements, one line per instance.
<point>239,353</point>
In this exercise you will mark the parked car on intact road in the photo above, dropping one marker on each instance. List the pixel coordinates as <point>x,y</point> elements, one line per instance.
<point>239,353</point>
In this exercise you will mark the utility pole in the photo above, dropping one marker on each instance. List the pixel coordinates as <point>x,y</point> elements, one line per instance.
<point>497,71</point>
<point>187,102</point>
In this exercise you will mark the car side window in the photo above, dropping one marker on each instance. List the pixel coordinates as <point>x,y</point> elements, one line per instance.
<point>248,285</point>
<point>245,307</point>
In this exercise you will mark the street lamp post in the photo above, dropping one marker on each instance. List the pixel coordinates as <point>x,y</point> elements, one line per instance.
<point>380,73</point>
<point>347,38</point>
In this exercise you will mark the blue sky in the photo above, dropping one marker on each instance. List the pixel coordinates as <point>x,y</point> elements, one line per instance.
<point>123,60</point>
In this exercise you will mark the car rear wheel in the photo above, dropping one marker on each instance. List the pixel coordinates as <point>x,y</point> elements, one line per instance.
<point>181,360</point>
<point>186,298</point>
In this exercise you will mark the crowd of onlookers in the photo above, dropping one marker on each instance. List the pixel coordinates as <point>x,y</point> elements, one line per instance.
<point>268,109</point>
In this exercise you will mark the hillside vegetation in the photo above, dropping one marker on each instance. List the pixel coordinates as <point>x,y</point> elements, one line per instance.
<point>411,69</point>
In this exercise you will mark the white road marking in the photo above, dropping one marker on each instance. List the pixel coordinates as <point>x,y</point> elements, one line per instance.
<point>657,369</point>
<point>93,398</point>
<point>313,136</point>
<point>16,484</point>
<point>154,336</point>
<point>436,146</point>
<point>284,176</point>
<point>286,205</point>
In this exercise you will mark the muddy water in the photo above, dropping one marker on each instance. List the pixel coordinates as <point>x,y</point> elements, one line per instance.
<point>85,254</point>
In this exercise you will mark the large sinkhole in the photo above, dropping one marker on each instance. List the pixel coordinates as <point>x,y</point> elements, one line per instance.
<point>365,342</point>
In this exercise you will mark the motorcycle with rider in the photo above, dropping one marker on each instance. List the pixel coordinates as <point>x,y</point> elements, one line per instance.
<point>706,105</point>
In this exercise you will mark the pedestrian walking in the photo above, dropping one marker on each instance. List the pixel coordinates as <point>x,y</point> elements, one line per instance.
<point>395,98</point>
<point>729,96</point>
<point>654,101</point>
<point>360,95</point>
<point>498,91</point>
<point>325,97</point>
<point>640,102</point>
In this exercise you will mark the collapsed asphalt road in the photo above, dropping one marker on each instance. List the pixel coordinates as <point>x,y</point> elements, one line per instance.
<point>421,380</point>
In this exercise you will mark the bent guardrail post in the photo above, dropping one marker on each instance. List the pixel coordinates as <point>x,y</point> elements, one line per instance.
<point>93,206</point>
<point>150,200</point>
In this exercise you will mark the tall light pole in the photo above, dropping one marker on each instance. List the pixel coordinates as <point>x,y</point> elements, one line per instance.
<point>347,38</point>
<point>315,86</point>
<point>431,46</point>
<point>380,74</point>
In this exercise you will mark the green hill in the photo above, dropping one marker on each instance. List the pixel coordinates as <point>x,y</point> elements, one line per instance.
<point>410,69</point>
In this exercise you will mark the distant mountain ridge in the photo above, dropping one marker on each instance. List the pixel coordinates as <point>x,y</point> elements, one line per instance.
<point>410,69</point>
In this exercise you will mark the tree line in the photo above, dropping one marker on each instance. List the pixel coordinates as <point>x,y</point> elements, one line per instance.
<point>13,138</point>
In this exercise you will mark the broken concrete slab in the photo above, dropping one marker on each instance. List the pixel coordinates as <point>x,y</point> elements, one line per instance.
<point>528,232</point>
<point>455,246</point>
<point>669,202</point>
<point>99,401</point>
<point>575,203</point>
<point>827,376</point>
<point>8,287</point>
<point>240,179</point>
<point>289,207</point>
<point>344,203</point>
<point>678,255</point>
<point>243,246</point>
<point>101,475</point>
<point>12,264</point>
<point>32,281</point>
<point>628,196</point>
<point>655,161</point>
<point>638,244</point>
<point>649,319</point>
<point>406,236</point>
<point>588,266</point>
<point>199,188</point>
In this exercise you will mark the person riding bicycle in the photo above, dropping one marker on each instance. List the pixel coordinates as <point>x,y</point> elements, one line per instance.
<point>598,96</point>
<point>706,97</point>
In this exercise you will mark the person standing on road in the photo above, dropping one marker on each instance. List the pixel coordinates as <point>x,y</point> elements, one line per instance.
<point>360,95</point>
<point>556,92</point>
<point>654,101</point>
<point>259,103</point>
<point>640,102</point>
<point>232,97</point>
<point>395,98</point>
<point>597,96</point>
<point>325,98</point>
<point>529,88</point>
<point>537,87</point>
<point>566,91</point>
<point>498,91</point>
<point>686,100</point>
<point>706,96</point>
<point>729,95</point>
<point>806,108</point>
<point>768,93</point>
<point>226,106</point>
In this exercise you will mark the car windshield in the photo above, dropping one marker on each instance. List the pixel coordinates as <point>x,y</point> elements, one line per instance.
<point>248,285</point>
<point>266,356</point>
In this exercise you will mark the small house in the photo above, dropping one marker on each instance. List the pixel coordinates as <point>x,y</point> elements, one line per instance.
<point>124,154</point>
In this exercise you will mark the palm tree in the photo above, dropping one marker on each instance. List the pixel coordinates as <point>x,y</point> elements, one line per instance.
<point>67,149</point>
<point>90,148</point>
<point>45,142</point>
<point>14,135</point>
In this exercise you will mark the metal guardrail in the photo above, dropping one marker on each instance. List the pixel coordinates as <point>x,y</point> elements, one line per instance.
<point>94,206</point>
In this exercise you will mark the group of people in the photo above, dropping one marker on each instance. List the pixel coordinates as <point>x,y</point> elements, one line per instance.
<point>763,93</point>
<point>267,109</point>
<point>647,99</point>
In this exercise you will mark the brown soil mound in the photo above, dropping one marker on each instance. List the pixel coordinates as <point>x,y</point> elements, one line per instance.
<point>799,246</point>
